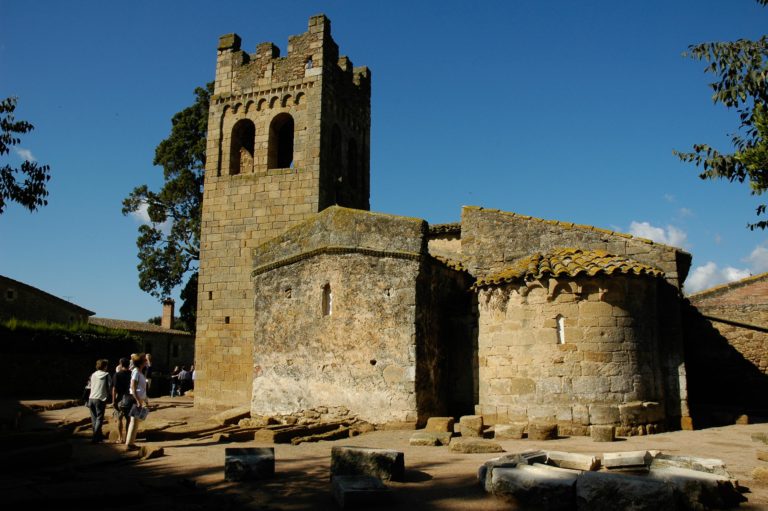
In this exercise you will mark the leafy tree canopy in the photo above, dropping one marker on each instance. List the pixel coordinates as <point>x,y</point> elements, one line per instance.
<point>30,193</point>
<point>741,68</point>
<point>169,247</point>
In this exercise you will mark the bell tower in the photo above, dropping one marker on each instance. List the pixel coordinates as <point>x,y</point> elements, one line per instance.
<point>287,137</point>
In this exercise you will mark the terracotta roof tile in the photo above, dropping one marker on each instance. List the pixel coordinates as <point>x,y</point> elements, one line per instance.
<point>568,262</point>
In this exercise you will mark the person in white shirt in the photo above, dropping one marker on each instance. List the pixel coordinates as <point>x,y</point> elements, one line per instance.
<point>101,388</point>
<point>138,390</point>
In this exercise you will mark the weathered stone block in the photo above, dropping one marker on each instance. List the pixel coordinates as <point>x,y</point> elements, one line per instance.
<point>359,491</point>
<point>512,431</point>
<point>474,445</point>
<point>386,464</point>
<point>542,431</point>
<point>440,424</point>
<point>546,488</point>
<point>700,490</point>
<point>708,465</point>
<point>429,438</point>
<point>628,459</point>
<point>600,491</point>
<point>232,416</point>
<point>471,425</point>
<point>762,455</point>
<point>603,414</point>
<point>572,461</point>
<point>638,412</point>
<point>602,433</point>
<point>247,463</point>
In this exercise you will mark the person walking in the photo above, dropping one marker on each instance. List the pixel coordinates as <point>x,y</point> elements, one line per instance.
<point>184,379</point>
<point>137,389</point>
<point>120,388</point>
<point>175,387</point>
<point>101,384</point>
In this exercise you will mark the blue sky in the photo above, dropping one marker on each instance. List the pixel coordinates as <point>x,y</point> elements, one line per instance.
<point>557,109</point>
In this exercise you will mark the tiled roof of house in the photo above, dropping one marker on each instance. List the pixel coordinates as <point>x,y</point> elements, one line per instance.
<point>134,326</point>
<point>568,262</point>
<point>722,288</point>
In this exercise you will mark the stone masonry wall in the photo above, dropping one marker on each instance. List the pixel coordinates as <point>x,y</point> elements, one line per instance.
<point>492,239</point>
<point>608,355</point>
<point>361,357</point>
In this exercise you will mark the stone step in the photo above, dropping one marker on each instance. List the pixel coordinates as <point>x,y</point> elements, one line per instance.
<point>474,445</point>
<point>430,438</point>
<point>709,465</point>
<point>335,434</point>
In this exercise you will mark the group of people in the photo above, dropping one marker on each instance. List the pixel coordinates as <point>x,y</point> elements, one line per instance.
<point>182,380</point>
<point>128,393</point>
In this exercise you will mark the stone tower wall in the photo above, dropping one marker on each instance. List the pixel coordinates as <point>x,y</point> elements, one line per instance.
<point>605,356</point>
<point>247,199</point>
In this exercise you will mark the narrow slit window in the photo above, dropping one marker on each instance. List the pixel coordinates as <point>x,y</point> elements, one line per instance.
<point>560,319</point>
<point>327,300</point>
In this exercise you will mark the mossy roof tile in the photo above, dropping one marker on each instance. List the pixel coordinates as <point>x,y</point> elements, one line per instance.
<point>568,262</point>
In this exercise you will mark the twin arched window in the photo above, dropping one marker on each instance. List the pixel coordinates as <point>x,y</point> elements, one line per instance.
<point>279,148</point>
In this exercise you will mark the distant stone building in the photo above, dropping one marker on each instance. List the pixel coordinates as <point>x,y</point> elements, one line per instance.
<point>24,302</point>
<point>310,305</point>
<point>168,347</point>
<point>727,350</point>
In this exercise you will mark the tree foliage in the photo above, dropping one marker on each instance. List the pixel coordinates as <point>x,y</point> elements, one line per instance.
<point>741,68</point>
<point>169,247</point>
<point>30,193</point>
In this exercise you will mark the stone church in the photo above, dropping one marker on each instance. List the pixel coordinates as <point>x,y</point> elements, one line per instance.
<point>311,304</point>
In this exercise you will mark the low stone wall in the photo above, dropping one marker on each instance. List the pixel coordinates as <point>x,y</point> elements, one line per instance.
<point>573,352</point>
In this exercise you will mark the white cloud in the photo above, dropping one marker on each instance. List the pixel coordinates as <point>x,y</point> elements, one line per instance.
<point>24,154</point>
<point>671,236</point>
<point>142,216</point>
<point>709,275</point>
<point>758,259</point>
<point>685,212</point>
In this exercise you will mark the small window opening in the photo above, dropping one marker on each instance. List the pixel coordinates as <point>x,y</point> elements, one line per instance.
<point>308,64</point>
<point>10,295</point>
<point>210,295</point>
<point>560,319</point>
<point>243,140</point>
<point>280,152</point>
<point>327,300</point>
<point>226,320</point>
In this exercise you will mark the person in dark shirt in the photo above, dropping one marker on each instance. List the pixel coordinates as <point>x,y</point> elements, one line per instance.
<point>119,389</point>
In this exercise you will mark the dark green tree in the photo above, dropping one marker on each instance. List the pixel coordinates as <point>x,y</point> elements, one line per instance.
<point>741,68</point>
<point>30,193</point>
<point>169,247</point>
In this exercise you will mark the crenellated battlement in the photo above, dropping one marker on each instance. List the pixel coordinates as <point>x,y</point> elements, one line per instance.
<point>239,72</point>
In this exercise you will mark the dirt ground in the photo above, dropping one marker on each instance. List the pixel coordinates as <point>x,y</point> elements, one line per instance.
<point>191,473</point>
